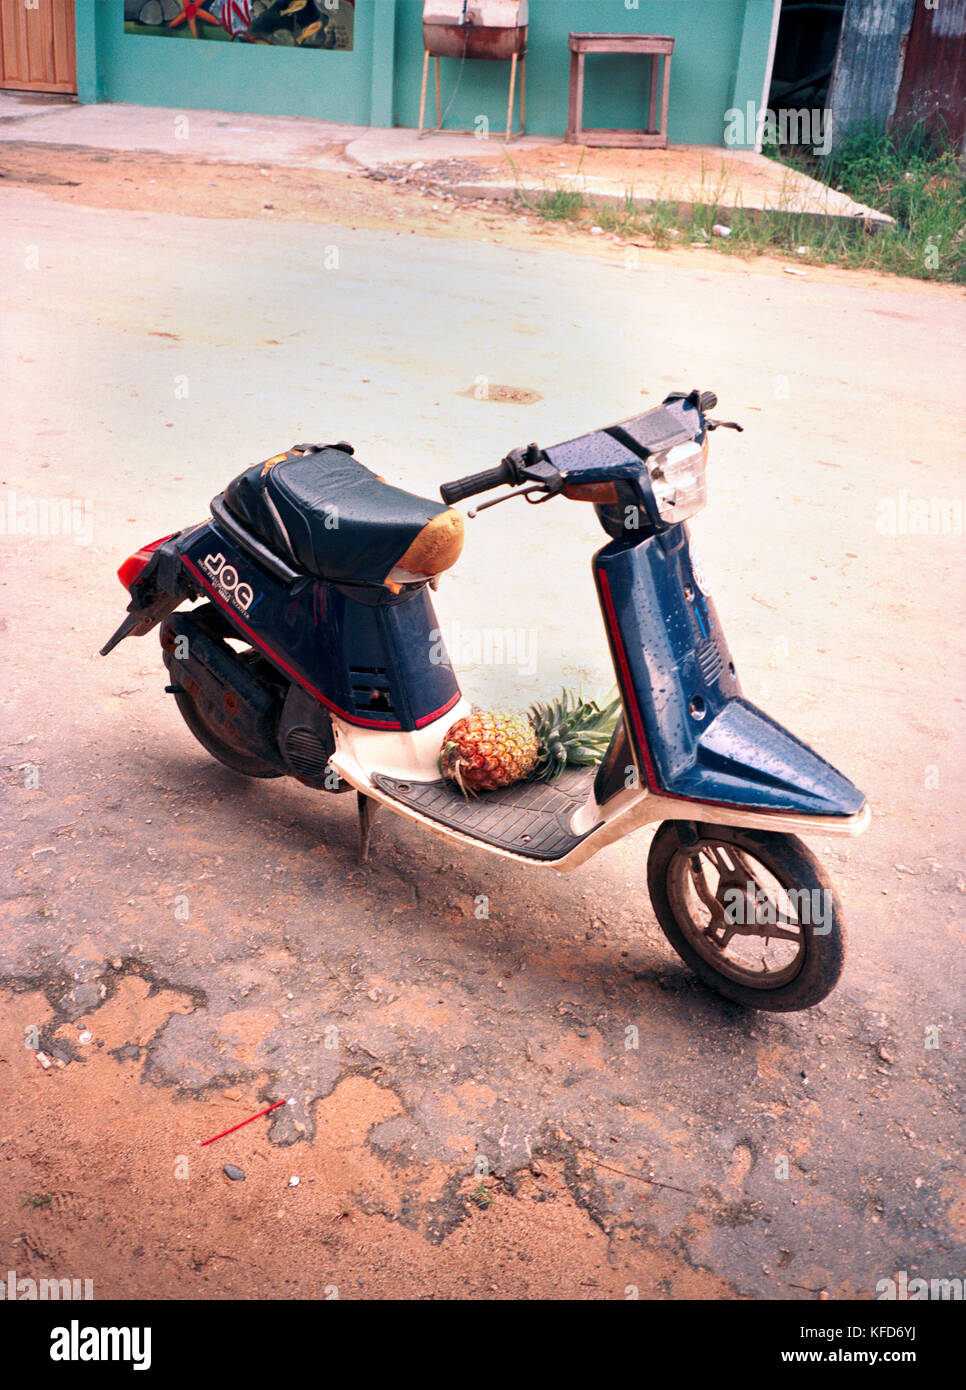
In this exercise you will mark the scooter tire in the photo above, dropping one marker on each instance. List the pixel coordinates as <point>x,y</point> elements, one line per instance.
<point>791,863</point>
<point>246,763</point>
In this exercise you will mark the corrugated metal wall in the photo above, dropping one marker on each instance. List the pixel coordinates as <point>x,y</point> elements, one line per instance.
<point>933,86</point>
<point>900,61</point>
<point>868,66</point>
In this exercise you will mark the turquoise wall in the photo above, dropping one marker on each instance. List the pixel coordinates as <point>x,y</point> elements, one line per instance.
<point>256,78</point>
<point>708,38</point>
<point>721,50</point>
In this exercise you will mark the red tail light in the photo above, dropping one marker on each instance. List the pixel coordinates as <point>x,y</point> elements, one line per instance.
<point>132,567</point>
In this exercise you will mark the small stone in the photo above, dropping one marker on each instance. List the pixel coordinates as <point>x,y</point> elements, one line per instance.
<point>293,1181</point>
<point>232,1095</point>
<point>885,1053</point>
<point>85,1037</point>
<point>236,1174</point>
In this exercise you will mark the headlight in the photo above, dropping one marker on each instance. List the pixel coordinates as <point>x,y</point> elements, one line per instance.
<point>678,480</point>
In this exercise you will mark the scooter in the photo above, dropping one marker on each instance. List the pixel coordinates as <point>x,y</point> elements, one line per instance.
<point>315,653</point>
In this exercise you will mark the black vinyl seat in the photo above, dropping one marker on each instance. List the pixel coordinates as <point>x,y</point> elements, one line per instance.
<point>328,515</point>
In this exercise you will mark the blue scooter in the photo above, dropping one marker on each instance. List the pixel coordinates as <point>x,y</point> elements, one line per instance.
<point>313,651</point>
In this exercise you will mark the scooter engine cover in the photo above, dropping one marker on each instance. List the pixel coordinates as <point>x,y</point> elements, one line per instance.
<point>228,694</point>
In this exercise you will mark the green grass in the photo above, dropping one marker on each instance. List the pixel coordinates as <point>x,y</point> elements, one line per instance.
<point>559,204</point>
<point>917,179</point>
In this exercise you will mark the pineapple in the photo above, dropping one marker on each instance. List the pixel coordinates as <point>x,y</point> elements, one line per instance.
<point>488,750</point>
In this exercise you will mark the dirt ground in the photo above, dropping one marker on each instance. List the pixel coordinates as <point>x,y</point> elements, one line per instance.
<point>364,1224</point>
<point>414,203</point>
<point>478,1127</point>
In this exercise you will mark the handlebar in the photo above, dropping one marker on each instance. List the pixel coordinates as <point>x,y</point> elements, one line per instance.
<point>531,465</point>
<point>477,482</point>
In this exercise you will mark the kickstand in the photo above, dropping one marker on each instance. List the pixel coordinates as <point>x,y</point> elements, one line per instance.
<point>367,809</point>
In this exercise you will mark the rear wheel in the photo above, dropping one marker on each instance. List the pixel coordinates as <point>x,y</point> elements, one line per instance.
<point>751,912</point>
<point>211,738</point>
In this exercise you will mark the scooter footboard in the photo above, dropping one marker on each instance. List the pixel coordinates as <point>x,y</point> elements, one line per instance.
<point>532,819</point>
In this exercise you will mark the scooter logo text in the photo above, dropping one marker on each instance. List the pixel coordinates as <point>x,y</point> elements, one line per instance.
<point>227,582</point>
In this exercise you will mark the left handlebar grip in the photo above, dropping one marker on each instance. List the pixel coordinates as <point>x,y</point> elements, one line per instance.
<point>476,482</point>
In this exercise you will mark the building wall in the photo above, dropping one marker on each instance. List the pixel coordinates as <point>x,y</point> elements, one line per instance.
<point>260,79</point>
<point>933,86</point>
<point>868,65</point>
<point>720,61</point>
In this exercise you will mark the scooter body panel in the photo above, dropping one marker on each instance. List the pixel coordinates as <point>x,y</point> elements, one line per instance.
<point>371,657</point>
<point>695,737</point>
<point>361,753</point>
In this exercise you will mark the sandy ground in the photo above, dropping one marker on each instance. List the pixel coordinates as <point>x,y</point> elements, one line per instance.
<point>180,1228</point>
<point>685,173</point>
<point>727,1154</point>
<point>418,202</point>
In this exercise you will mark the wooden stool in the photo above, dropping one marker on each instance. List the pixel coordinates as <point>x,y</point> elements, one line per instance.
<point>656,46</point>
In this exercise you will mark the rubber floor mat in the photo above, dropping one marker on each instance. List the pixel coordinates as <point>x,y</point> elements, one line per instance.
<point>529,818</point>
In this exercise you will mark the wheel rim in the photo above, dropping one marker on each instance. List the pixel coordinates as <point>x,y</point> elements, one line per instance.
<point>738,914</point>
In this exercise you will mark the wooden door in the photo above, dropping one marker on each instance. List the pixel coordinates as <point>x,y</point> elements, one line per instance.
<point>37,45</point>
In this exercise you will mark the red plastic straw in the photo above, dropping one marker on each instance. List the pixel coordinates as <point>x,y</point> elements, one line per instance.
<point>242,1122</point>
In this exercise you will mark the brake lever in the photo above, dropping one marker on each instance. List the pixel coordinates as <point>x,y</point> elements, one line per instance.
<point>530,488</point>
<point>724,425</point>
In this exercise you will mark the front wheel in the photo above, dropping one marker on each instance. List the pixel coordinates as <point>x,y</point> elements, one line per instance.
<point>750,911</point>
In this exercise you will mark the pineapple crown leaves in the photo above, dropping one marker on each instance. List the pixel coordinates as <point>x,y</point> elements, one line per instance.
<point>572,731</point>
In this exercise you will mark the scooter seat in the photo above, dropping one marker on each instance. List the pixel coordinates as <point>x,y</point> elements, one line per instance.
<point>328,515</point>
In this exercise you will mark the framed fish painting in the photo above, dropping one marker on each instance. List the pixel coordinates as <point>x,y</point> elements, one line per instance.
<point>325,24</point>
